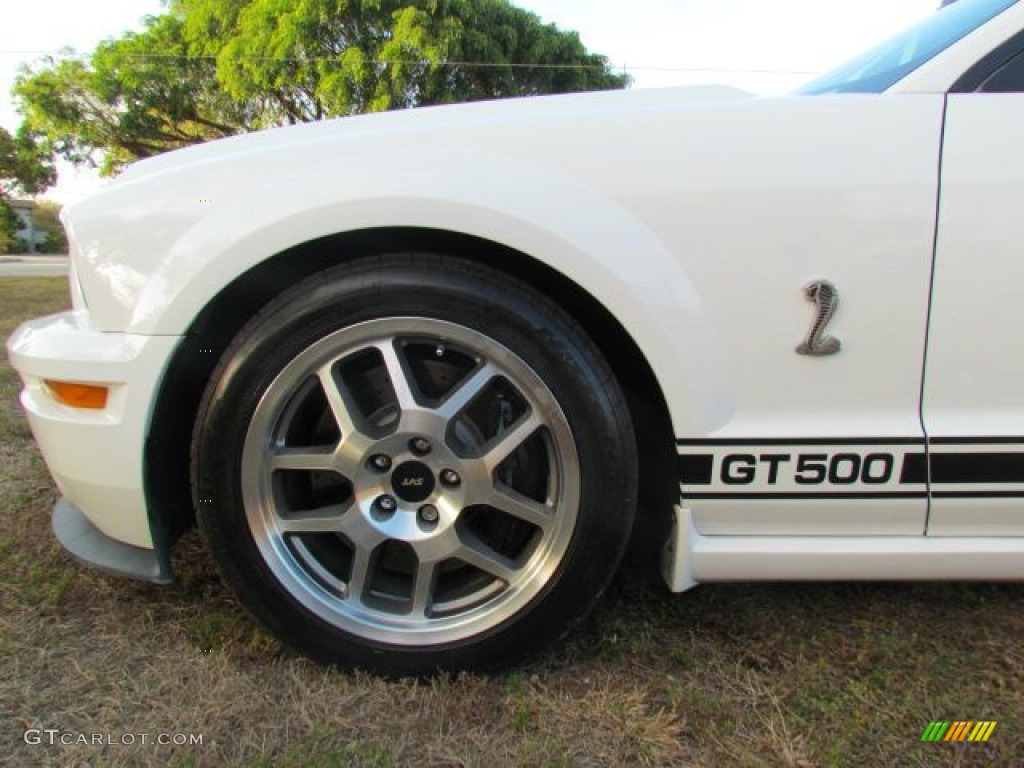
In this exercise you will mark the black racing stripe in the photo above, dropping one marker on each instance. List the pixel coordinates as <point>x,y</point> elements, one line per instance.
<point>696,469</point>
<point>976,440</point>
<point>940,468</point>
<point>978,494</point>
<point>915,469</point>
<point>977,468</point>
<point>802,441</point>
<point>816,495</point>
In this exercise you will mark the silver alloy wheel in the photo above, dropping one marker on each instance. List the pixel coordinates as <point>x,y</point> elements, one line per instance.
<point>410,481</point>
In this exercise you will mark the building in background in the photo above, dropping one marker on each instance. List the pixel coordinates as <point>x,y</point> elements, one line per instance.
<point>29,236</point>
<point>31,226</point>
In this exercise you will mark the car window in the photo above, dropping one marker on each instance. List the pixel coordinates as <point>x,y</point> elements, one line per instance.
<point>1007,79</point>
<point>884,66</point>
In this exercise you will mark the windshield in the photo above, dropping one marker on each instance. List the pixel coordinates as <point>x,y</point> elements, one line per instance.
<point>884,66</point>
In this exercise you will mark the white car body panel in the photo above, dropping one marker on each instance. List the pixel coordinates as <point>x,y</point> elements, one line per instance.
<point>707,215</point>
<point>680,235</point>
<point>643,233</point>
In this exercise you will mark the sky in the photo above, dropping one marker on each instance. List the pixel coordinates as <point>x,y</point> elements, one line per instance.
<point>763,47</point>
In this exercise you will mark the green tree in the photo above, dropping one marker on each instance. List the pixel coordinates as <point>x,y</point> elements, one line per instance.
<point>136,97</point>
<point>26,168</point>
<point>8,228</point>
<point>46,219</point>
<point>211,68</point>
<point>26,163</point>
<point>341,57</point>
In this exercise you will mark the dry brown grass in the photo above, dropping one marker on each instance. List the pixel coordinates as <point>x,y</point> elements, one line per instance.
<point>789,675</point>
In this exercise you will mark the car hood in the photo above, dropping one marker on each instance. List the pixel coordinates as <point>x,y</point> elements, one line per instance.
<point>532,112</point>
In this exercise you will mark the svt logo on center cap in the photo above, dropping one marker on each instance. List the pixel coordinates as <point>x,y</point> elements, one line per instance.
<point>413,481</point>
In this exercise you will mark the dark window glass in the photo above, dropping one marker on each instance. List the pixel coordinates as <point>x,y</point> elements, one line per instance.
<point>1008,79</point>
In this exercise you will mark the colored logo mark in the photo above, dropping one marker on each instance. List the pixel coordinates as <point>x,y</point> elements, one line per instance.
<point>958,730</point>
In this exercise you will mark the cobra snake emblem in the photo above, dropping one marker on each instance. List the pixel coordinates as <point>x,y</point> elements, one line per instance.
<point>825,298</point>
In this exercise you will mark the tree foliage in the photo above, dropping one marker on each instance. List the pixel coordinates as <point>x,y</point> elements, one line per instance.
<point>26,163</point>
<point>46,219</point>
<point>211,68</point>
<point>8,228</point>
<point>337,57</point>
<point>136,97</point>
<point>26,168</point>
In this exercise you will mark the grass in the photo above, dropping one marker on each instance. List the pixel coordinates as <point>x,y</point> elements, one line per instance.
<point>738,675</point>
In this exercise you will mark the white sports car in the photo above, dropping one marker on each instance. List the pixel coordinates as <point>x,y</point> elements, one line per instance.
<point>411,372</point>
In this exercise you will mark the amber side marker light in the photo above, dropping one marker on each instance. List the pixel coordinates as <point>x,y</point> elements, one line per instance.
<point>78,395</point>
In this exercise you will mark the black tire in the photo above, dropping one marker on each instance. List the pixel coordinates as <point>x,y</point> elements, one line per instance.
<point>489,584</point>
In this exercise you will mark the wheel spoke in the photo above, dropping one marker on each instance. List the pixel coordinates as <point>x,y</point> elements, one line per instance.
<point>359,579</point>
<point>479,555</point>
<point>466,392</point>
<point>339,408</point>
<point>505,444</point>
<point>359,531</point>
<point>423,588</point>
<point>302,458</point>
<point>399,379</point>
<point>521,507</point>
<point>324,520</point>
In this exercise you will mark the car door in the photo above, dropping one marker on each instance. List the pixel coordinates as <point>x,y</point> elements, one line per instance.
<point>974,388</point>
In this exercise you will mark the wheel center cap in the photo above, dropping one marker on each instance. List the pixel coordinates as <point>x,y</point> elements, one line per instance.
<point>413,481</point>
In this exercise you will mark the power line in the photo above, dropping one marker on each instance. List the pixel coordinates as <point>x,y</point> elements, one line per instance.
<point>427,62</point>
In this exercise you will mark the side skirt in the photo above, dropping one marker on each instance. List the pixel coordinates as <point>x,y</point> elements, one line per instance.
<point>690,558</point>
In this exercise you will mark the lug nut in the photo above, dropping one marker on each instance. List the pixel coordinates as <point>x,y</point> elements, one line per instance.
<point>380,462</point>
<point>386,504</point>
<point>420,446</point>
<point>429,514</point>
<point>450,478</point>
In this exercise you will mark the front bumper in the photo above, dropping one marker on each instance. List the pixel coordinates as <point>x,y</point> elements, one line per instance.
<point>95,456</point>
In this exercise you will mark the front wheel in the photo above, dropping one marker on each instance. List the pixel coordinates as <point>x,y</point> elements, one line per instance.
<point>411,463</point>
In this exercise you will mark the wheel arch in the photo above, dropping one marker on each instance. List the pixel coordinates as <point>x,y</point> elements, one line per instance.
<point>166,464</point>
